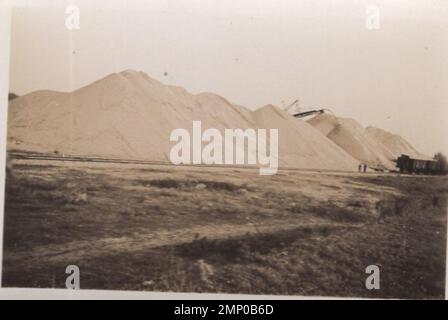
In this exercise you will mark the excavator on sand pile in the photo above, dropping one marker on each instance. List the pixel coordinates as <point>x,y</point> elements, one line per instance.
<point>302,114</point>
<point>310,112</point>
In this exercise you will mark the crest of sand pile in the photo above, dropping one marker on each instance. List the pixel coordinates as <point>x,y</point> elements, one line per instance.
<point>367,145</point>
<point>130,115</point>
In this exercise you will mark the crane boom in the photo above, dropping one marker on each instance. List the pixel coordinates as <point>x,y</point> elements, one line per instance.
<point>292,104</point>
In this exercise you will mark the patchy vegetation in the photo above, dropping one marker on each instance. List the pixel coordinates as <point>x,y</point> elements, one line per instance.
<point>221,230</point>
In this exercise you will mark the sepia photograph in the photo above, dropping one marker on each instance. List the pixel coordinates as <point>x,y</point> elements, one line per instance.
<point>262,148</point>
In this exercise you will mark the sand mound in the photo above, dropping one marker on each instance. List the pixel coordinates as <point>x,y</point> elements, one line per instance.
<point>130,115</point>
<point>375,147</point>
<point>396,144</point>
<point>126,115</point>
<point>301,144</point>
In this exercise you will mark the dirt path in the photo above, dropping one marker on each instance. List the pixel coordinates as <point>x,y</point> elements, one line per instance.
<point>85,249</point>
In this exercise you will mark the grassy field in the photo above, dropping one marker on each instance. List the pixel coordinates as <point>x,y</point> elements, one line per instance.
<point>194,229</point>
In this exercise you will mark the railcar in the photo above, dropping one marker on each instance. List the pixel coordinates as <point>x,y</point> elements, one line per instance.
<point>406,164</point>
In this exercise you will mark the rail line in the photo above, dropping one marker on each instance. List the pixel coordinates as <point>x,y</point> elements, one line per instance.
<point>48,157</point>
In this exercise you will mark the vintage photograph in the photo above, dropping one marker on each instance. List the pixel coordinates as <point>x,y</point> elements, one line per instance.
<point>285,148</point>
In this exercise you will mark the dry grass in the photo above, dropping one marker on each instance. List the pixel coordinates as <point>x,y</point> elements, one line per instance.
<point>295,233</point>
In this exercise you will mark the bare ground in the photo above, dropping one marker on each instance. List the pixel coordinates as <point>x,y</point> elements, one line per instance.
<point>195,229</point>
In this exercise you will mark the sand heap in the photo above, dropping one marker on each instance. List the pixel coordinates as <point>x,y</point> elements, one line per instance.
<point>130,115</point>
<point>300,143</point>
<point>394,143</point>
<point>372,146</point>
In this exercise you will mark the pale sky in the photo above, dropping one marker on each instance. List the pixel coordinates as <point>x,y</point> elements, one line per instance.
<point>254,53</point>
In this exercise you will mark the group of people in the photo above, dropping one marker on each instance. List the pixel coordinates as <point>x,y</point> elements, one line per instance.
<point>362,167</point>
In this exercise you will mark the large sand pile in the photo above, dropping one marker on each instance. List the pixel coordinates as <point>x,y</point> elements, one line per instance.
<point>396,144</point>
<point>130,115</point>
<point>372,146</point>
<point>300,143</point>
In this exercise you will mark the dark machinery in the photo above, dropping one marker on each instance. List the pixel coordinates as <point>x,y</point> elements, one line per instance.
<point>310,112</point>
<point>295,104</point>
<point>410,165</point>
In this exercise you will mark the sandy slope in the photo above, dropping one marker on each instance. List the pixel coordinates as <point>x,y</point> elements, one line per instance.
<point>373,146</point>
<point>396,144</point>
<point>130,115</point>
<point>301,144</point>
